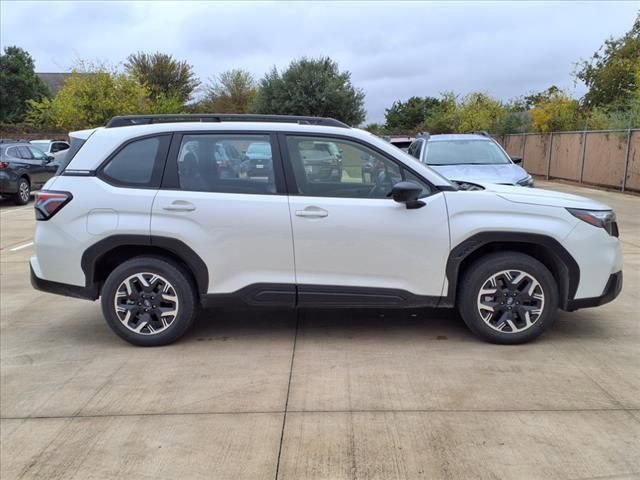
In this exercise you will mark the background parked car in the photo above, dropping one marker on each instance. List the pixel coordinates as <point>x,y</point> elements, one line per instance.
<point>468,158</point>
<point>23,168</point>
<point>229,160</point>
<point>322,161</point>
<point>56,148</point>
<point>403,143</point>
<point>258,162</point>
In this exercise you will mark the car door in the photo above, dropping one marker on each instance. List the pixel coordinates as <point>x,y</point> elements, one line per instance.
<point>33,166</point>
<point>43,164</point>
<point>238,225</point>
<point>352,243</point>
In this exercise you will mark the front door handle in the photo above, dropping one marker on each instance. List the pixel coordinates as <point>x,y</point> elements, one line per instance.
<point>312,212</point>
<point>180,206</point>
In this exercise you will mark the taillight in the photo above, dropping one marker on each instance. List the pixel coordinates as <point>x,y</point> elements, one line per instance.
<point>49,203</point>
<point>3,165</point>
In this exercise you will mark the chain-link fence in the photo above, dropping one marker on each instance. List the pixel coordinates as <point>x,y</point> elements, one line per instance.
<point>609,158</point>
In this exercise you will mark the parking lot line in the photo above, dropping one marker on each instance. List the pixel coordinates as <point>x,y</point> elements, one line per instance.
<point>20,247</point>
<point>15,210</point>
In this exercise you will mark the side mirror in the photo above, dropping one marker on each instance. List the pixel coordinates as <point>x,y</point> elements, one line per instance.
<point>516,159</point>
<point>407,193</point>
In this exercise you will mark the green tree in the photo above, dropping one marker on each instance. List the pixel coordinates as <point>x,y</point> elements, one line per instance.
<point>611,73</point>
<point>376,128</point>
<point>444,117</point>
<point>163,75</point>
<point>529,101</point>
<point>621,118</point>
<point>91,96</point>
<point>232,91</point>
<point>556,113</point>
<point>514,120</point>
<point>479,111</point>
<point>406,116</point>
<point>18,83</point>
<point>311,87</point>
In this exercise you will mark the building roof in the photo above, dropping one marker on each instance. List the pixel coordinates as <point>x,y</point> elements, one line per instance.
<point>54,81</point>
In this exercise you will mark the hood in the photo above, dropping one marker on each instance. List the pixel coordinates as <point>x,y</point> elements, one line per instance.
<point>504,173</point>
<point>540,196</point>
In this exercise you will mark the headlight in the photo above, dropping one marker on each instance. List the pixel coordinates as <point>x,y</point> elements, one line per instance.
<point>598,218</point>
<point>526,181</point>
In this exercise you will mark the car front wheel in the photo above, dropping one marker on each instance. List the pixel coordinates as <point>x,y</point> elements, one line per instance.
<point>508,298</point>
<point>149,301</point>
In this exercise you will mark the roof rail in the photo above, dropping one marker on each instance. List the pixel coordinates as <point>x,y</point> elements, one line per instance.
<point>481,132</point>
<point>128,120</point>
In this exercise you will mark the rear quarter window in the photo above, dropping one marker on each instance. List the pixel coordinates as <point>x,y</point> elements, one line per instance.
<point>138,163</point>
<point>75,145</point>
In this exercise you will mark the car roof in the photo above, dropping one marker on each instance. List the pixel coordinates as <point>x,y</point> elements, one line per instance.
<point>452,137</point>
<point>105,140</point>
<point>5,146</point>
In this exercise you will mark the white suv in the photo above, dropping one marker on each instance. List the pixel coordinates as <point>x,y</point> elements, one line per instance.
<point>142,217</point>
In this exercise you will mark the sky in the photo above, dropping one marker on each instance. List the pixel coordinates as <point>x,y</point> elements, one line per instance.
<point>394,50</point>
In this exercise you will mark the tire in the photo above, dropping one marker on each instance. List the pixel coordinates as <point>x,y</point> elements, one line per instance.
<point>127,303</point>
<point>24,192</point>
<point>530,304</point>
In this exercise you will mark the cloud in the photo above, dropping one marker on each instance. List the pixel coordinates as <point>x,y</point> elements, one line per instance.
<point>393,49</point>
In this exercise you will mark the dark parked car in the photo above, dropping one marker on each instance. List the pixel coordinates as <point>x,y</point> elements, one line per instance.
<point>229,160</point>
<point>23,168</point>
<point>322,161</point>
<point>258,162</point>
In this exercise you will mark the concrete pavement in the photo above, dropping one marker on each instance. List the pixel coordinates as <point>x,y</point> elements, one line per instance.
<point>258,394</point>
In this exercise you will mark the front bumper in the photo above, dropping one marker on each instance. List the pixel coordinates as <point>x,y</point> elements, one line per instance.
<point>611,290</point>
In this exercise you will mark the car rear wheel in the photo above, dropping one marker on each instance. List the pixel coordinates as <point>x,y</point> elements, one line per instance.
<point>508,298</point>
<point>149,301</point>
<point>24,192</point>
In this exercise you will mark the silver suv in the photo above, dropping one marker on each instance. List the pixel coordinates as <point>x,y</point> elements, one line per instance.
<point>469,158</point>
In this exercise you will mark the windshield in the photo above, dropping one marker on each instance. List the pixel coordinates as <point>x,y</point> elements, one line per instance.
<point>465,152</point>
<point>260,148</point>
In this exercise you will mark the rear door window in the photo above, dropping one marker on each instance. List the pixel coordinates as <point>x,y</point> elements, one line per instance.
<point>227,163</point>
<point>25,153</point>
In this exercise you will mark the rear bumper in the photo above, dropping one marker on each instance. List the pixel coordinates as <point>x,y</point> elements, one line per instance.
<point>86,293</point>
<point>611,290</point>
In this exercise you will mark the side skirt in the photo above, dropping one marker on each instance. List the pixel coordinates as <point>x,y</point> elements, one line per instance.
<point>324,296</point>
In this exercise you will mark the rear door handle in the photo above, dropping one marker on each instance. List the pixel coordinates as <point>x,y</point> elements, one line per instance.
<point>312,212</point>
<point>180,206</point>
